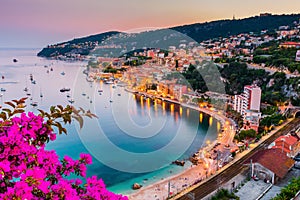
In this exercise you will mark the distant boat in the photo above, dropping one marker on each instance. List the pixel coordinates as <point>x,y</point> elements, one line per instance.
<point>2,77</point>
<point>108,82</point>
<point>63,73</point>
<point>71,101</point>
<point>113,86</point>
<point>33,82</point>
<point>65,90</point>
<point>51,69</point>
<point>34,104</point>
<point>91,101</point>
<point>83,94</point>
<point>15,60</point>
<point>119,94</point>
<point>89,79</point>
<point>28,94</point>
<point>1,95</point>
<point>2,89</point>
<point>25,89</point>
<point>100,90</point>
<point>68,95</point>
<point>31,77</point>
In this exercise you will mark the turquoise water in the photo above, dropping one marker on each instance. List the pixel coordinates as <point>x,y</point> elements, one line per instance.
<point>133,140</point>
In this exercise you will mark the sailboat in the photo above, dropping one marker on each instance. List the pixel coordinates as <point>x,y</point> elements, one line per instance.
<point>41,94</point>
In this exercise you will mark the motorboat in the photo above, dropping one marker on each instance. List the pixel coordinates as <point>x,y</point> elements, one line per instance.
<point>65,90</point>
<point>109,82</point>
<point>34,104</point>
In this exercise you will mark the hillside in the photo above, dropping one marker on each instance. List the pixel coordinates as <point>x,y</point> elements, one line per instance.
<point>77,46</point>
<point>224,28</point>
<point>164,37</point>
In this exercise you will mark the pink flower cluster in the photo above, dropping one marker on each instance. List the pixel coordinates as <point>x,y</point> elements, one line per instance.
<point>28,171</point>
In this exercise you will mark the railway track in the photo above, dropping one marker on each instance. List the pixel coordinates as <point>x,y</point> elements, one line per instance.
<point>227,174</point>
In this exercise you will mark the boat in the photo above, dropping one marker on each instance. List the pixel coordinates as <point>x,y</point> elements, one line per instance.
<point>63,73</point>
<point>110,101</point>
<point>71,101</point>
<point>100,90</point>
<point>178,162</point>
<point>2,77</point>
<point>2,89</point>
<point>15,60</point>
<point>1,95</point>
<point>25,89</point>
<point>28,94</point>
<point>83,94</point>
<point>65,90</point>
<point>33,82</point>
<point>68,95</point>
<point>51,69</point>
<point>89,79</point>
<point>109,82</point>
<point>119,94</point>
<point>34,104</point>
<point>113,86</point>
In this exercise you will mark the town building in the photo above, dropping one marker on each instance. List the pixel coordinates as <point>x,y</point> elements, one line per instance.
<point>287,144</point>
<point>270,165</point>
<point>248,105</point>
<point>297,56</point>
<point>248,100</point>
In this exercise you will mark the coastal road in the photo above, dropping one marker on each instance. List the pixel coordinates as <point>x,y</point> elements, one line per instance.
<point>237,167</point>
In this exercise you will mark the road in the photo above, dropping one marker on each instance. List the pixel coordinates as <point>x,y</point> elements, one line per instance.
<point>225,175</point>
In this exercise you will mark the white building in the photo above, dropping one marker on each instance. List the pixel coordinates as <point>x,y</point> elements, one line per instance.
<point>298,56</point>
<point>248,105</point>
<point>248,100</point>
<point>252,94</point>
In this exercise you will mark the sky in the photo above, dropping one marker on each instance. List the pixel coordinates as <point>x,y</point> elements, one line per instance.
<point>37,23</point>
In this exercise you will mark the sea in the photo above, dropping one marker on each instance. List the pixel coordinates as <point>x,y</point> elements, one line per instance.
<point>133,139</point>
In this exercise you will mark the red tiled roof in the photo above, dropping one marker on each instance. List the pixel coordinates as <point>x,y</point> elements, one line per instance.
<point>288,139</point>
<point>286,150</point>
<point>290,43</point>
<point>274,160</point>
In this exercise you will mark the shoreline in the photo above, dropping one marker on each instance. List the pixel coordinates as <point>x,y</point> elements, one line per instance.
<point>189,176</point>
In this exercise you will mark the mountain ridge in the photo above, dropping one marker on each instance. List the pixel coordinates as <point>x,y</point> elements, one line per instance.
<point>197,31</point>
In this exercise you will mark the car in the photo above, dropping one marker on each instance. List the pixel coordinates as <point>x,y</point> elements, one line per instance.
<point>255,178</point>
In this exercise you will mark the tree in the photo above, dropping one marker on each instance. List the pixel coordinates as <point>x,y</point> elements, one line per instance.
<point>29,171</point>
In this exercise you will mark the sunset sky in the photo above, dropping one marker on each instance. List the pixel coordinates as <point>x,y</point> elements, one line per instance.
<point>36,23</point>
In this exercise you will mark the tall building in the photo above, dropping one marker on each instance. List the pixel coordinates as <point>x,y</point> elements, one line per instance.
<point>252,97</point>
<point>248,105</point>
<point>248,100</point>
